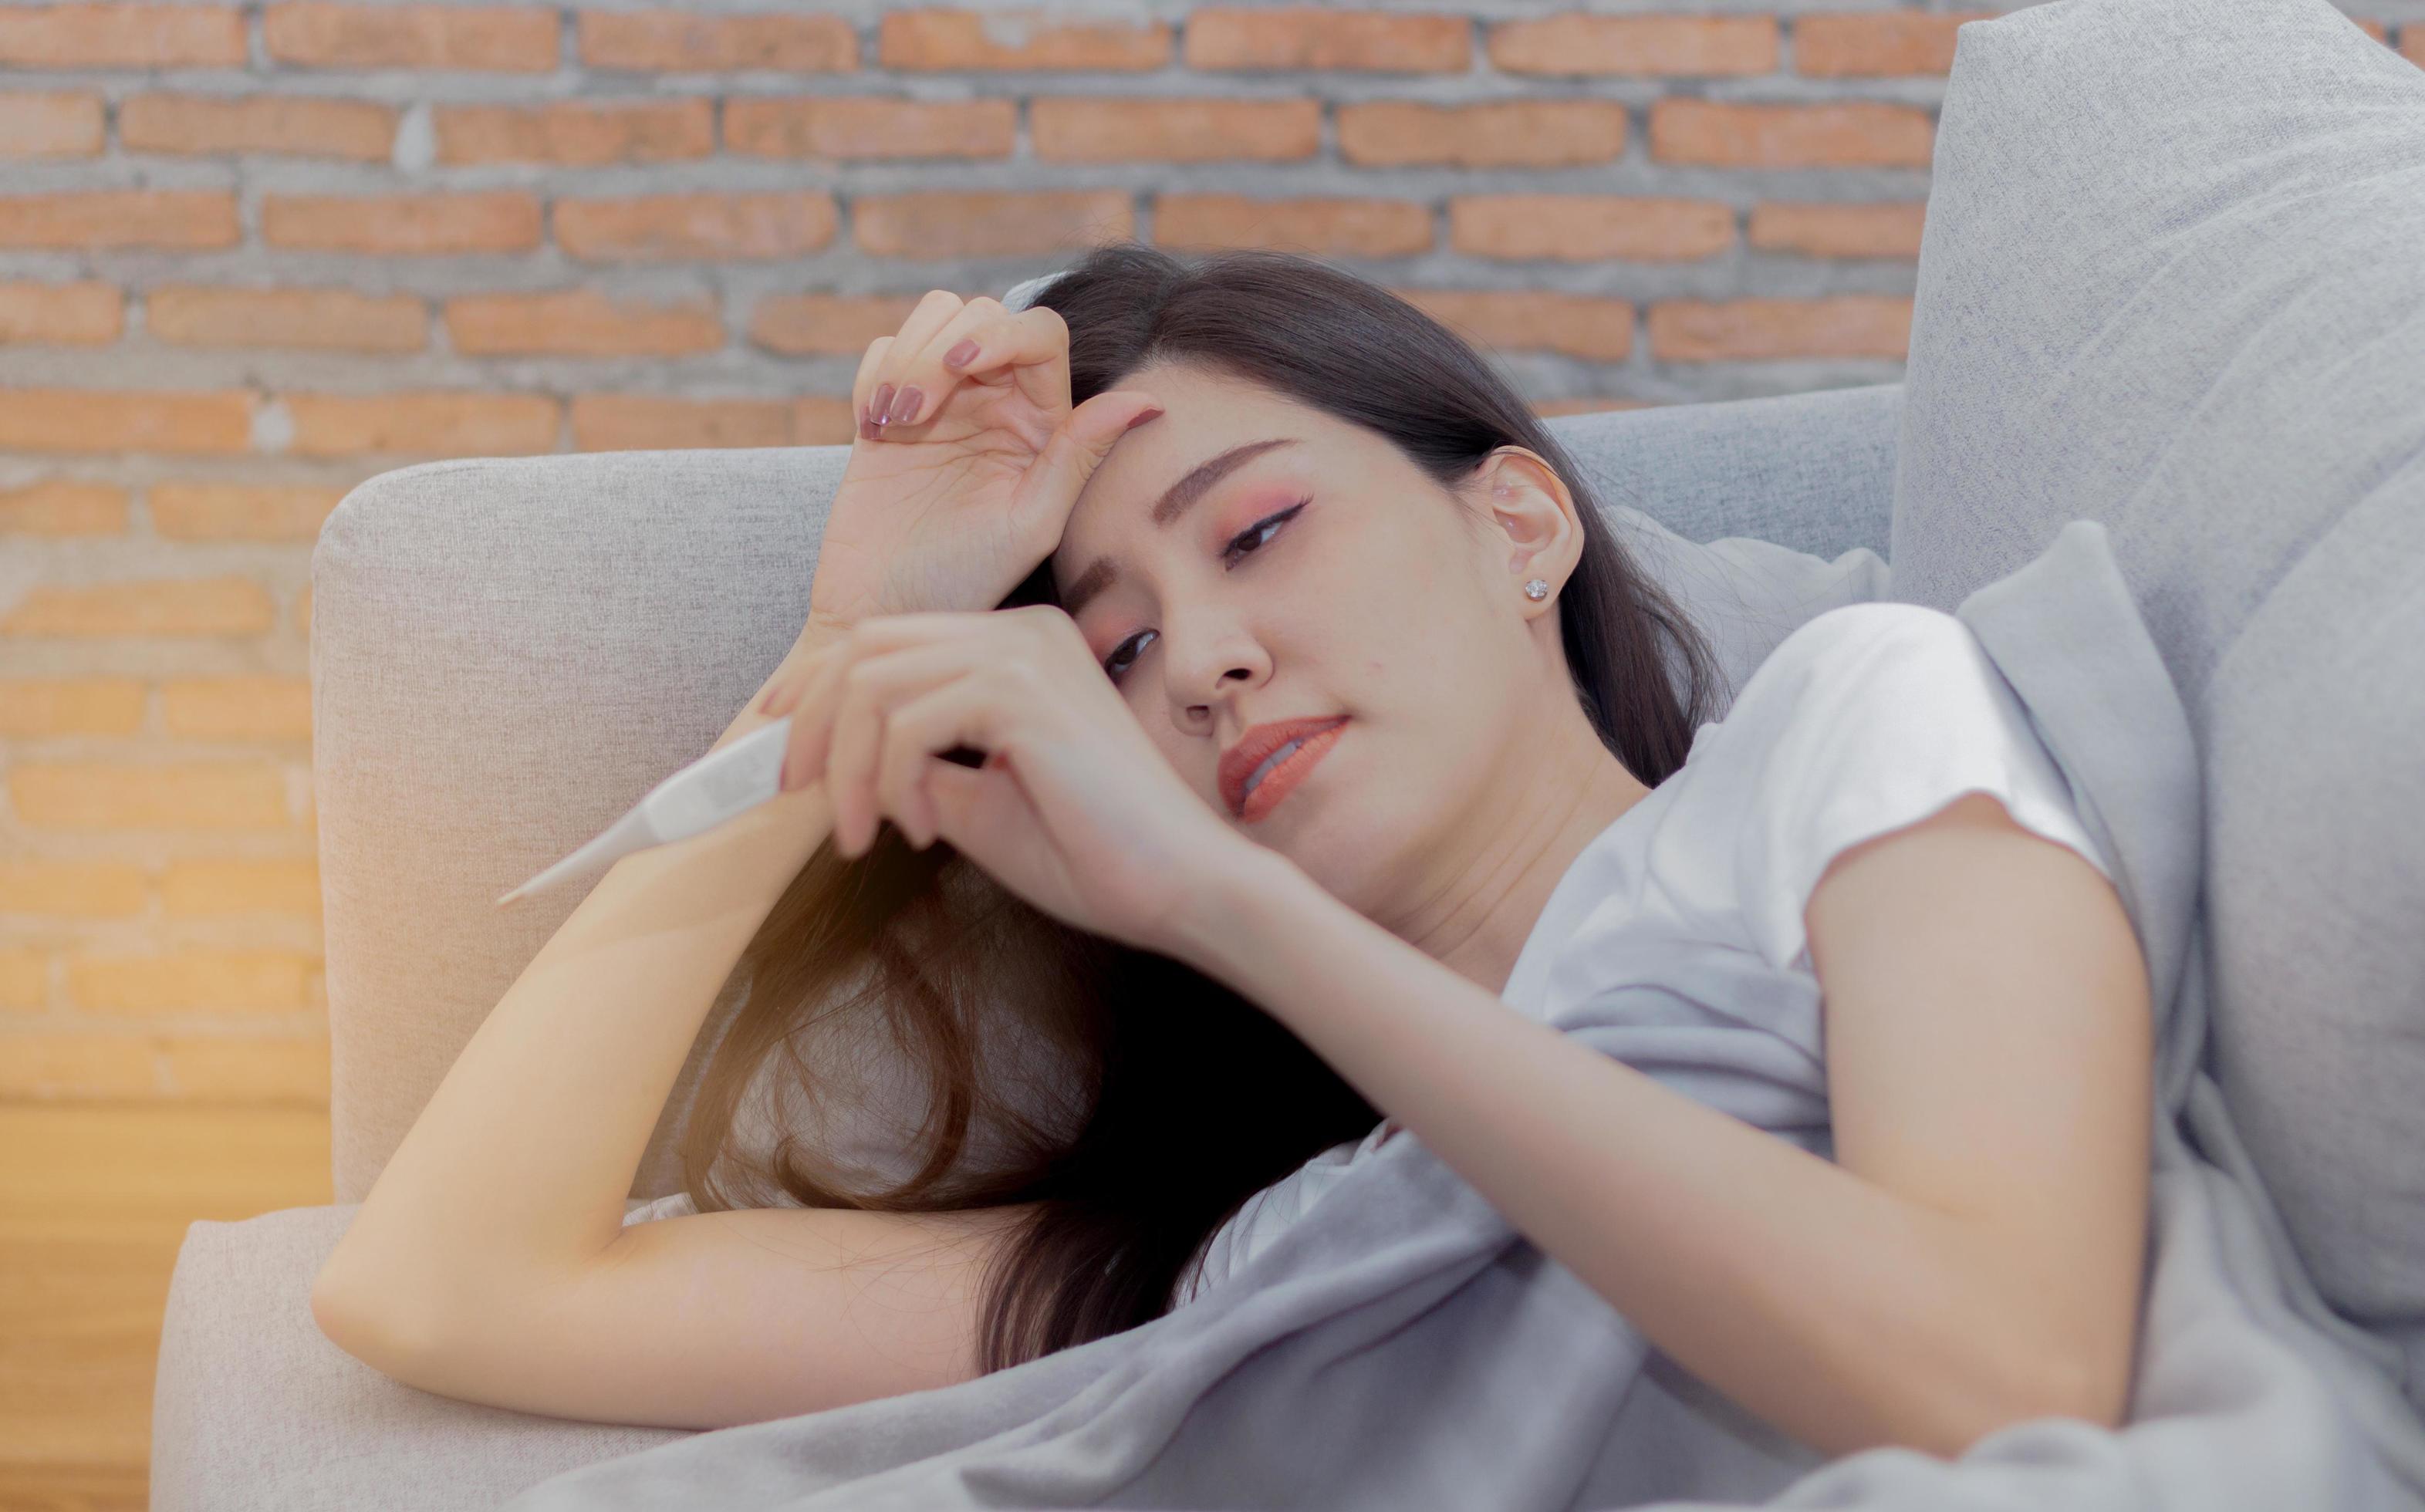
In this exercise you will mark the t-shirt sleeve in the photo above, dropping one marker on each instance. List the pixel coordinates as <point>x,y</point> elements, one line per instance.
<point>1875,716</point>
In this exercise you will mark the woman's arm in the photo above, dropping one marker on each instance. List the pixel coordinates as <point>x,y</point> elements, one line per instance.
<point>517,1168</point>
<point>1972,1258</point>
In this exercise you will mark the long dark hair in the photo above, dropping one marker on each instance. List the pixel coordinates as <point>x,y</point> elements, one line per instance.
<point>1167,1099</point>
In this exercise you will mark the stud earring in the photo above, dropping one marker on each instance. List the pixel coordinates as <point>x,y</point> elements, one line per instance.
<point>1538,589</point>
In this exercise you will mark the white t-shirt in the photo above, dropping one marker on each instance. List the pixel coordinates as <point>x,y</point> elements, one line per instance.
<point>1866,719</point>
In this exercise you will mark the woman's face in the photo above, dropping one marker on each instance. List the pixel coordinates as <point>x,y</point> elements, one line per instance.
<point>1267,562</point>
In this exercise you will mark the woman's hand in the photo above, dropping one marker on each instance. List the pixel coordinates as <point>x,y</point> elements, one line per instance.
<point>949,504</point>
<point>1074,810</point>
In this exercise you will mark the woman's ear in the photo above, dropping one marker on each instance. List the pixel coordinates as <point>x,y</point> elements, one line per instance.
<point>1534,513</point>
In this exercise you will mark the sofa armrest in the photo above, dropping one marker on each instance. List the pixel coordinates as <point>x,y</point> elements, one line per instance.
<point>252,1407</point>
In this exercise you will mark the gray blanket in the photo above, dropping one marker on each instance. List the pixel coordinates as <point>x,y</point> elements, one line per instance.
<point>1402,1347</point>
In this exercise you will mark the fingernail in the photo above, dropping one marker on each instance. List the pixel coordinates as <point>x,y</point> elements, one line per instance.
<point>958,355</point>
<point>881,404</point>
<point>1141,419</point>
<point>904,405</point>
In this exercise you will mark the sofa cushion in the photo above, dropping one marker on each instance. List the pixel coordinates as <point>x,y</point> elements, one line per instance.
<point>2169,280</point>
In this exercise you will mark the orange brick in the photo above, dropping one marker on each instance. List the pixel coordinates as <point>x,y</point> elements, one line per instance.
<point>229,886</point>
<point>248,1070</point>
<point>77,1066</point>
<point>987,223</point>
<point>61,315</point>
<point>858,126</point>
<point>580,323</point>
<point>1506,133</point>
<point>913,40</point>
<point>679,227</point>
<point>1332,40</point>
<point>112,795</point>
<point>1839,229</point>
<point>64,888</point>
<point>1849,324</point>
<point>1573,325</point>
<point>1589,404</point>
<point>101,219</point>
<point>1873,43</point>
<point>823,420</point>
<point>2412,43</point>
<point>496,220</point>
<point>1855,132</point>
<point>509,40</point>
<point>62,507</point>
<point>1664,46</point>
<point>241,511</point>
<point>25,976</point>
<point>148,606</point>
<point>33,708</point>
<point>1081,129</point>
<point>1588,228</point>
<point>440,423</point>
<point>802,325</point>
<point>577,132</point>
<point>191,981</point>
<point>330,320</point>
<point>682,42</point>
<point>98,420</point>
<point>50,125</point>
<point>287,125</point>
<point>122,35</point>
<point>646,422</point>
<point>1337,226</point>
<point>253,707</point>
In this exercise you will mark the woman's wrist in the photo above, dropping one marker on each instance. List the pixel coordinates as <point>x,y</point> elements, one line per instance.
<point>1237,902</point>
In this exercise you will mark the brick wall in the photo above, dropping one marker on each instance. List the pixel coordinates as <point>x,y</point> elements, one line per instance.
<point>252,254</point>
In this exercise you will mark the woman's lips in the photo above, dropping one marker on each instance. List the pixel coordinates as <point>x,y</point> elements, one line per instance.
<point>1289,773</point>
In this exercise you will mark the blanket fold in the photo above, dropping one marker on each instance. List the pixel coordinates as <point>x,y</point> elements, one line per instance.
<point>1401,1346</point>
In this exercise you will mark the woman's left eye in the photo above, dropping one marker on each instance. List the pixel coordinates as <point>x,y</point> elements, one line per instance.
<point>1254,533</point>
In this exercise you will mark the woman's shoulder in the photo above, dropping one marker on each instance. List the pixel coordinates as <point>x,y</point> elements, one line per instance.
<point>1847,647</point>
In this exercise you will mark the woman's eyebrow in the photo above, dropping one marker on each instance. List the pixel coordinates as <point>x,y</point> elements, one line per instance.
<point>1193,484</point>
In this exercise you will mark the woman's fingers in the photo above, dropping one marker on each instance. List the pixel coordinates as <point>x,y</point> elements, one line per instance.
<point>843,748</point>
<point>916,731</point>
<point>1029,348</point>
<point>903,360</point>
<point>926,375</point>
<point>862,386</point>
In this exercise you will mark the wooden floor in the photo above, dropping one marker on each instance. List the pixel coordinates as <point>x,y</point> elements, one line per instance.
<point>94,1199</point>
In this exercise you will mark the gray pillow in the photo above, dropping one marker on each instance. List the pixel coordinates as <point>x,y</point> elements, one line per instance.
<point>2170,281</point>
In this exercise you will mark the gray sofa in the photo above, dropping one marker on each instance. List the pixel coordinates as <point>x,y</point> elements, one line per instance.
<point>2168,283</point>
<point>505,654</point>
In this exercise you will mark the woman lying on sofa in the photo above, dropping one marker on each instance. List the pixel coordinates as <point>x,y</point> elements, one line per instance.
<point>1300,744</point>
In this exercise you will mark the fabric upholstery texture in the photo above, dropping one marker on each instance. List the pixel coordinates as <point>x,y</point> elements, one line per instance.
<point>2169,281</point>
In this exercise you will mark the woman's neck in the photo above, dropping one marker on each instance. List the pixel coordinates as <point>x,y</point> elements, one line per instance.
<point>1567,801</point>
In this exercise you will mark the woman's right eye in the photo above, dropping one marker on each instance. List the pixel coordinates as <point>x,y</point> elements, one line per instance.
<point>1114,671</point>
<point>1250,539</point>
